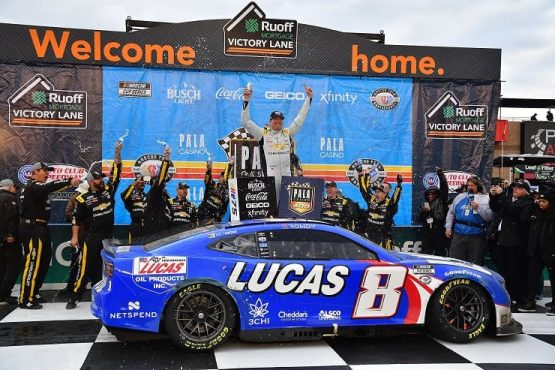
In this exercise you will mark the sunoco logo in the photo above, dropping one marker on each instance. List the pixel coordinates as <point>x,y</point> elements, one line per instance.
<point>186,94</point>
<point>251,34</point>
<point>149,165</point>
<point>375,169</point>
<point>448,119</point>
<point>385,99</point>
<point>38,104</point>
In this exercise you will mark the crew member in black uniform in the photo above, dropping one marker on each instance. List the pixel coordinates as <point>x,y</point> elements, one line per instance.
<point>157,212</point>
<point>338,210</point>
<point>184,213</point>
<point>381,210</point>
<point>33,230</point>
<point>10,251</point>
<point>216,197</point>
<point>134,201</point>
<point>95,214</point>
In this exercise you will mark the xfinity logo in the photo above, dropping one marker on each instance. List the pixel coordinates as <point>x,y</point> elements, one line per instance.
<point>331,97</point>
<point>284,95</point>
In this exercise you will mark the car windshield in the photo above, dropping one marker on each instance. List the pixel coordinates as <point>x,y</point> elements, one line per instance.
<point>158,240</point>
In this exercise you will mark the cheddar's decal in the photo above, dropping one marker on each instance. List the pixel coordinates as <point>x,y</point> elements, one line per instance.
<point>38,104</point>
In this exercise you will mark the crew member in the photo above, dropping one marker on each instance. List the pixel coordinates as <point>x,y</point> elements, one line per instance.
<point>134,201</point>
<point>338,210</point>
<point>184,213</point>
<point>275,140</point>
<point>33,230</point>
<point>157,211</point>
<point>95,214</point>
<point>381,210</point>
<point>216,198</point>
<point>10,252</point>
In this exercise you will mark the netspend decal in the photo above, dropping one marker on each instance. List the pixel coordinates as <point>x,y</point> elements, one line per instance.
<point>449,119</point>
<point>38,104</point>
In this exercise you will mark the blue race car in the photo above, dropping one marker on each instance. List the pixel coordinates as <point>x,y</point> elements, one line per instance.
<point>274,280</point>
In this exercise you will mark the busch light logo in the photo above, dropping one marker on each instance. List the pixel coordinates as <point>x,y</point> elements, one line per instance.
<point>256,185</point>
<point>384,99</point>
<point>187,94</point>
<point>258,311</point>
<point>430,179</point>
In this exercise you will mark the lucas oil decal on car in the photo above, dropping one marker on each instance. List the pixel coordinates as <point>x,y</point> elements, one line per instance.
<point>159,273</point>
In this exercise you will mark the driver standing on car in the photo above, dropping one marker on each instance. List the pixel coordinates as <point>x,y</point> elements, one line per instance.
<point>95,214</point>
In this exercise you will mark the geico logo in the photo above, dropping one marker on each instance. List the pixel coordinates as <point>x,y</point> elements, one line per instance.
<point>110,51</point>
<point>284,95</point>
<point>478,112</point>
<point>290,278</point>
<point>394,64</point>
<point>258,205</point>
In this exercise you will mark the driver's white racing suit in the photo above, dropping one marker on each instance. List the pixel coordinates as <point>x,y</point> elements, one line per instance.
<point>276,144</point>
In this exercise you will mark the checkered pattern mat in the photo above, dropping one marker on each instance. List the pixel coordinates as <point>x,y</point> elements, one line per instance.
<point>55,338</point>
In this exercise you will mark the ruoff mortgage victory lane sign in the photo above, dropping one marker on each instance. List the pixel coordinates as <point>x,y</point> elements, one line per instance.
<point>251,34</point>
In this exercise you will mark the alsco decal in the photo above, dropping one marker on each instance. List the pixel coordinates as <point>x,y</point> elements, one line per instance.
<point>54,44</point>
<point>159,265</point>
<point>290,278</point>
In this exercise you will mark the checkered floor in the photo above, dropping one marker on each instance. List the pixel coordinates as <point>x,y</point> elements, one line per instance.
<point>54,338</point>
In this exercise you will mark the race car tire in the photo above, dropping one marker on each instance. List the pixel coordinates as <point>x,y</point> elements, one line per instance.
<point>458,312</point>
<point>200,317</point>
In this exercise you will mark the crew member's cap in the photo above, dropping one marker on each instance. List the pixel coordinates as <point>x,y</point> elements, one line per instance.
<point>277,114</point>
<point>41,166</point>
<point>5,183</point>
<point>523,185</point>
<point>548,195</point>
<point>95,175</point>
<point>331,184</point>
<point>380,187</point>
<point>182,185</point>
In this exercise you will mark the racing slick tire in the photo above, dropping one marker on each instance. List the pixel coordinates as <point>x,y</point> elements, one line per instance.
<point>458,312</point>
<point>200,317</point>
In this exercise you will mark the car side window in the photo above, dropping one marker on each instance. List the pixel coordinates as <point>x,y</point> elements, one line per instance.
<point>244,245</point>
<point>313,244</point>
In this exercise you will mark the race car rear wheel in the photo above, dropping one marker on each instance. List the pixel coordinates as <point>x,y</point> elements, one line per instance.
<point>458,312</point>
<point>200,317</point>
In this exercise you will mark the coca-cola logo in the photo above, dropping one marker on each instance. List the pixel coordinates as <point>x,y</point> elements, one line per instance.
<point>225,94</point>
<point>262,196</point>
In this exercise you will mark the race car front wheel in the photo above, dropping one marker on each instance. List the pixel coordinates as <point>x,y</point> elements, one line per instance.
<point>458,312</point>
<point>200,317</point>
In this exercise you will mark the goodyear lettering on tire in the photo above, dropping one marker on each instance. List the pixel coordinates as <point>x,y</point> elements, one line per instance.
<point>450,285</point>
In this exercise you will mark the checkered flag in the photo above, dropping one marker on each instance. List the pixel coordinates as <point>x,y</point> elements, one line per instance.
<point>237,134</point>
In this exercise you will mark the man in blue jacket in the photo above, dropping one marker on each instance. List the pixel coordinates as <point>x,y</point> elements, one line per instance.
<point>467,221</point>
